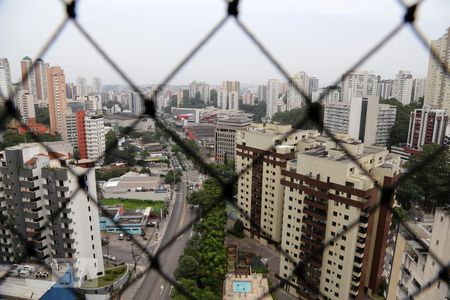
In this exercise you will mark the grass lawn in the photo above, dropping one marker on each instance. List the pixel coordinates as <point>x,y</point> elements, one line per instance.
<point>111,275</point>
<point>133,204</point>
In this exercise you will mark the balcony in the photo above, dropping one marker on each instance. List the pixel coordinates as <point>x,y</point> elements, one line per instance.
<point>28,194</point>
<point>322,205</point>
<point>70,250</point>
<point>354,290</point>
<point>67,230</point>
<point>31,215</point>
<point>28,184</point>
<point>318,234</point>
<point>65,220</point>
<point>68,240</point>
<point>314,223</point>
<point>311,242</point>
<point>318,214</point>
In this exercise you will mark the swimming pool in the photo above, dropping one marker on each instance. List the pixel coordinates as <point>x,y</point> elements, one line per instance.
<point>242,286</point>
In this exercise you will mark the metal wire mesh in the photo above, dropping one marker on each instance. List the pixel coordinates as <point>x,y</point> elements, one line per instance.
<point>227,184</point>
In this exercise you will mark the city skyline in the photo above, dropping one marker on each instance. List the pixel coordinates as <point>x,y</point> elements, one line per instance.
<point>232,59</point>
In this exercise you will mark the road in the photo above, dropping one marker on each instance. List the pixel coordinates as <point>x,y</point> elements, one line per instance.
<point>154,286</point>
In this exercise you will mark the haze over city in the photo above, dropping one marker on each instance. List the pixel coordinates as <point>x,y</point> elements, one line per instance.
<point>147,39</point>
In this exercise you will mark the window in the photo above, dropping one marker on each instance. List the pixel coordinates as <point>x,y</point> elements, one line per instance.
<point>334,213</point>
<point>345,217</point>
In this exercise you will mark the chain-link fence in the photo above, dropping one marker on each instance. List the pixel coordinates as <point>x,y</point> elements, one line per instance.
<point>313,115</point>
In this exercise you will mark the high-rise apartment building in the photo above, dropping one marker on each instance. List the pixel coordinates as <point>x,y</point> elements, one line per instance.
<point>82,88</point>
<point>199,88</point>
<point>418,89</point>
<point>5,80</point>
<point>402,87</point>
<point>362,118</point>
<point>272,97</point>
<point>325,193</point>
<point>96,85</point>
<point>136,103</point>
<point>36,184</point>
<point>262,93</point>
<point>313,85</point>
<point>359,84</point>
<point>228,100</point>
<point>90,129</point>
<point>40,71</point>
<point>437,91</point>
<point>329,94</point>
<point>412,266</point>
<point>28,74</point>
<point>225,137</point>
<point>426,126</point>
<point>248,98</point>
<point>385,88</point>
<point>231,86</point>
<point>25,105</point>
<point>70,129</point>
<point>294,98</point>
<point>260,193</point>
<point>57,101</point>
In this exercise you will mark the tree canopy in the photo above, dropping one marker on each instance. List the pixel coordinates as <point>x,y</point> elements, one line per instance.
<point>258,110</point>
<point>294,116</point>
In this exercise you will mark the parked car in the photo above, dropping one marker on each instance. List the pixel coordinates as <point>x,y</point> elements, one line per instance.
<point>14,272</point>
<point>121,236</point>
<point>128,237</point>
<point>24,273</point>
<point>32,269</point>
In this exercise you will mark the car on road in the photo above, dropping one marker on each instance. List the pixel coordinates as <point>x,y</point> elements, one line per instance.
<point>128,237</point>
<point>121,236</point>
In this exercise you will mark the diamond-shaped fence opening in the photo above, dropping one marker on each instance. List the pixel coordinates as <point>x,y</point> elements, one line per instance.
<point>226,194</point>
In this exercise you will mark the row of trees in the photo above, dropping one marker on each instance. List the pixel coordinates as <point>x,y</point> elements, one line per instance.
<point>202,266</point>
<point>12,138</point>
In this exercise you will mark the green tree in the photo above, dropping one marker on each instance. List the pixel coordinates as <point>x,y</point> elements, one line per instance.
<point>293,116</point>
<point>258,110</point>
<point>42,115</point>
<point>187,268</point>
<point>430,186</point>
<point>173,177</point>
<point>238,228</point>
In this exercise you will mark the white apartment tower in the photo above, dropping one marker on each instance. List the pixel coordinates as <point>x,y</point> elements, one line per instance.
<point>362,118</point>
<point>402,87</point>
<point>325,193</point>
<point>272,97</point>
<point>294,98</point>
<point>39,187</point>
<point>136,103</point>
<point>201,88</point>
<point>418,89</point>
<point>25,105</point>
<point>28,75</point>
<point>96,85</point>
<point>262,93</point>
<point>437,91</point>
<point>5,80</point>
<point>94,127</point>
<point>82,88</point>
<point>359,84</point>
<point>228,100</point>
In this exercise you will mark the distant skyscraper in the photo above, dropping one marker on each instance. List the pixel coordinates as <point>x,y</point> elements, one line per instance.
<point>359,84</point>
<point>25,105</point>
<point>90,135</point>
<point>385,88</point>
<point>262,93</point>
<point>418,89</point>
<point>231,86</point>
<point>294,98</point>
<point>313,85</point>
<point>137,105</point>
<point>40,71</point>
<point>272,97</point>
<point>402,88</point>
<point>201,88</point>
<point>82,89</point>
<point>96,85</point>
<point>5,80</point>
<point>228,100</point>
<point>326,95</point>
<point>437,91</point>
<point>70,91</point>
<point>248,98</point>
<point>57,101</point>
<point>28,73</point>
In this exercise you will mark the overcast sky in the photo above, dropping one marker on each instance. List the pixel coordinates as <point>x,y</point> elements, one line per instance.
<point>148,38</point>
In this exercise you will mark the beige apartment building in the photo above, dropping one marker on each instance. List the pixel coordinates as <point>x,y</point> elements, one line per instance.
<point>260,193</point>
<point>225,136</point>
<point>413,267</point>
<point>326,192</point>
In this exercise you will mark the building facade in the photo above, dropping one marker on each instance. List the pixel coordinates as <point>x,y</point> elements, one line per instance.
<point>426,126</point>
<point>325,193</point>
<point>272,97</point>
<point>412,267</point>
<point>294,98</point>
<point>39,187</point>
<point>5,80</point>
<point>418,89</point>
<point>57,101</point>
<point>40,71</point>
<point>28,74</point>
<point>403,87</point>
<point>437,91</point>
<point>225,137</point>
<point>260,194</point>
<point>359,84</point>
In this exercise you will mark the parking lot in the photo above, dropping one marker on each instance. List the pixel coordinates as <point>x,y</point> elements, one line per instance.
<point>126,250</point>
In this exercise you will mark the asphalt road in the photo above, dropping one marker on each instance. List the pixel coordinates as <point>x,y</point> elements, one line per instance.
<point>154,286</point>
